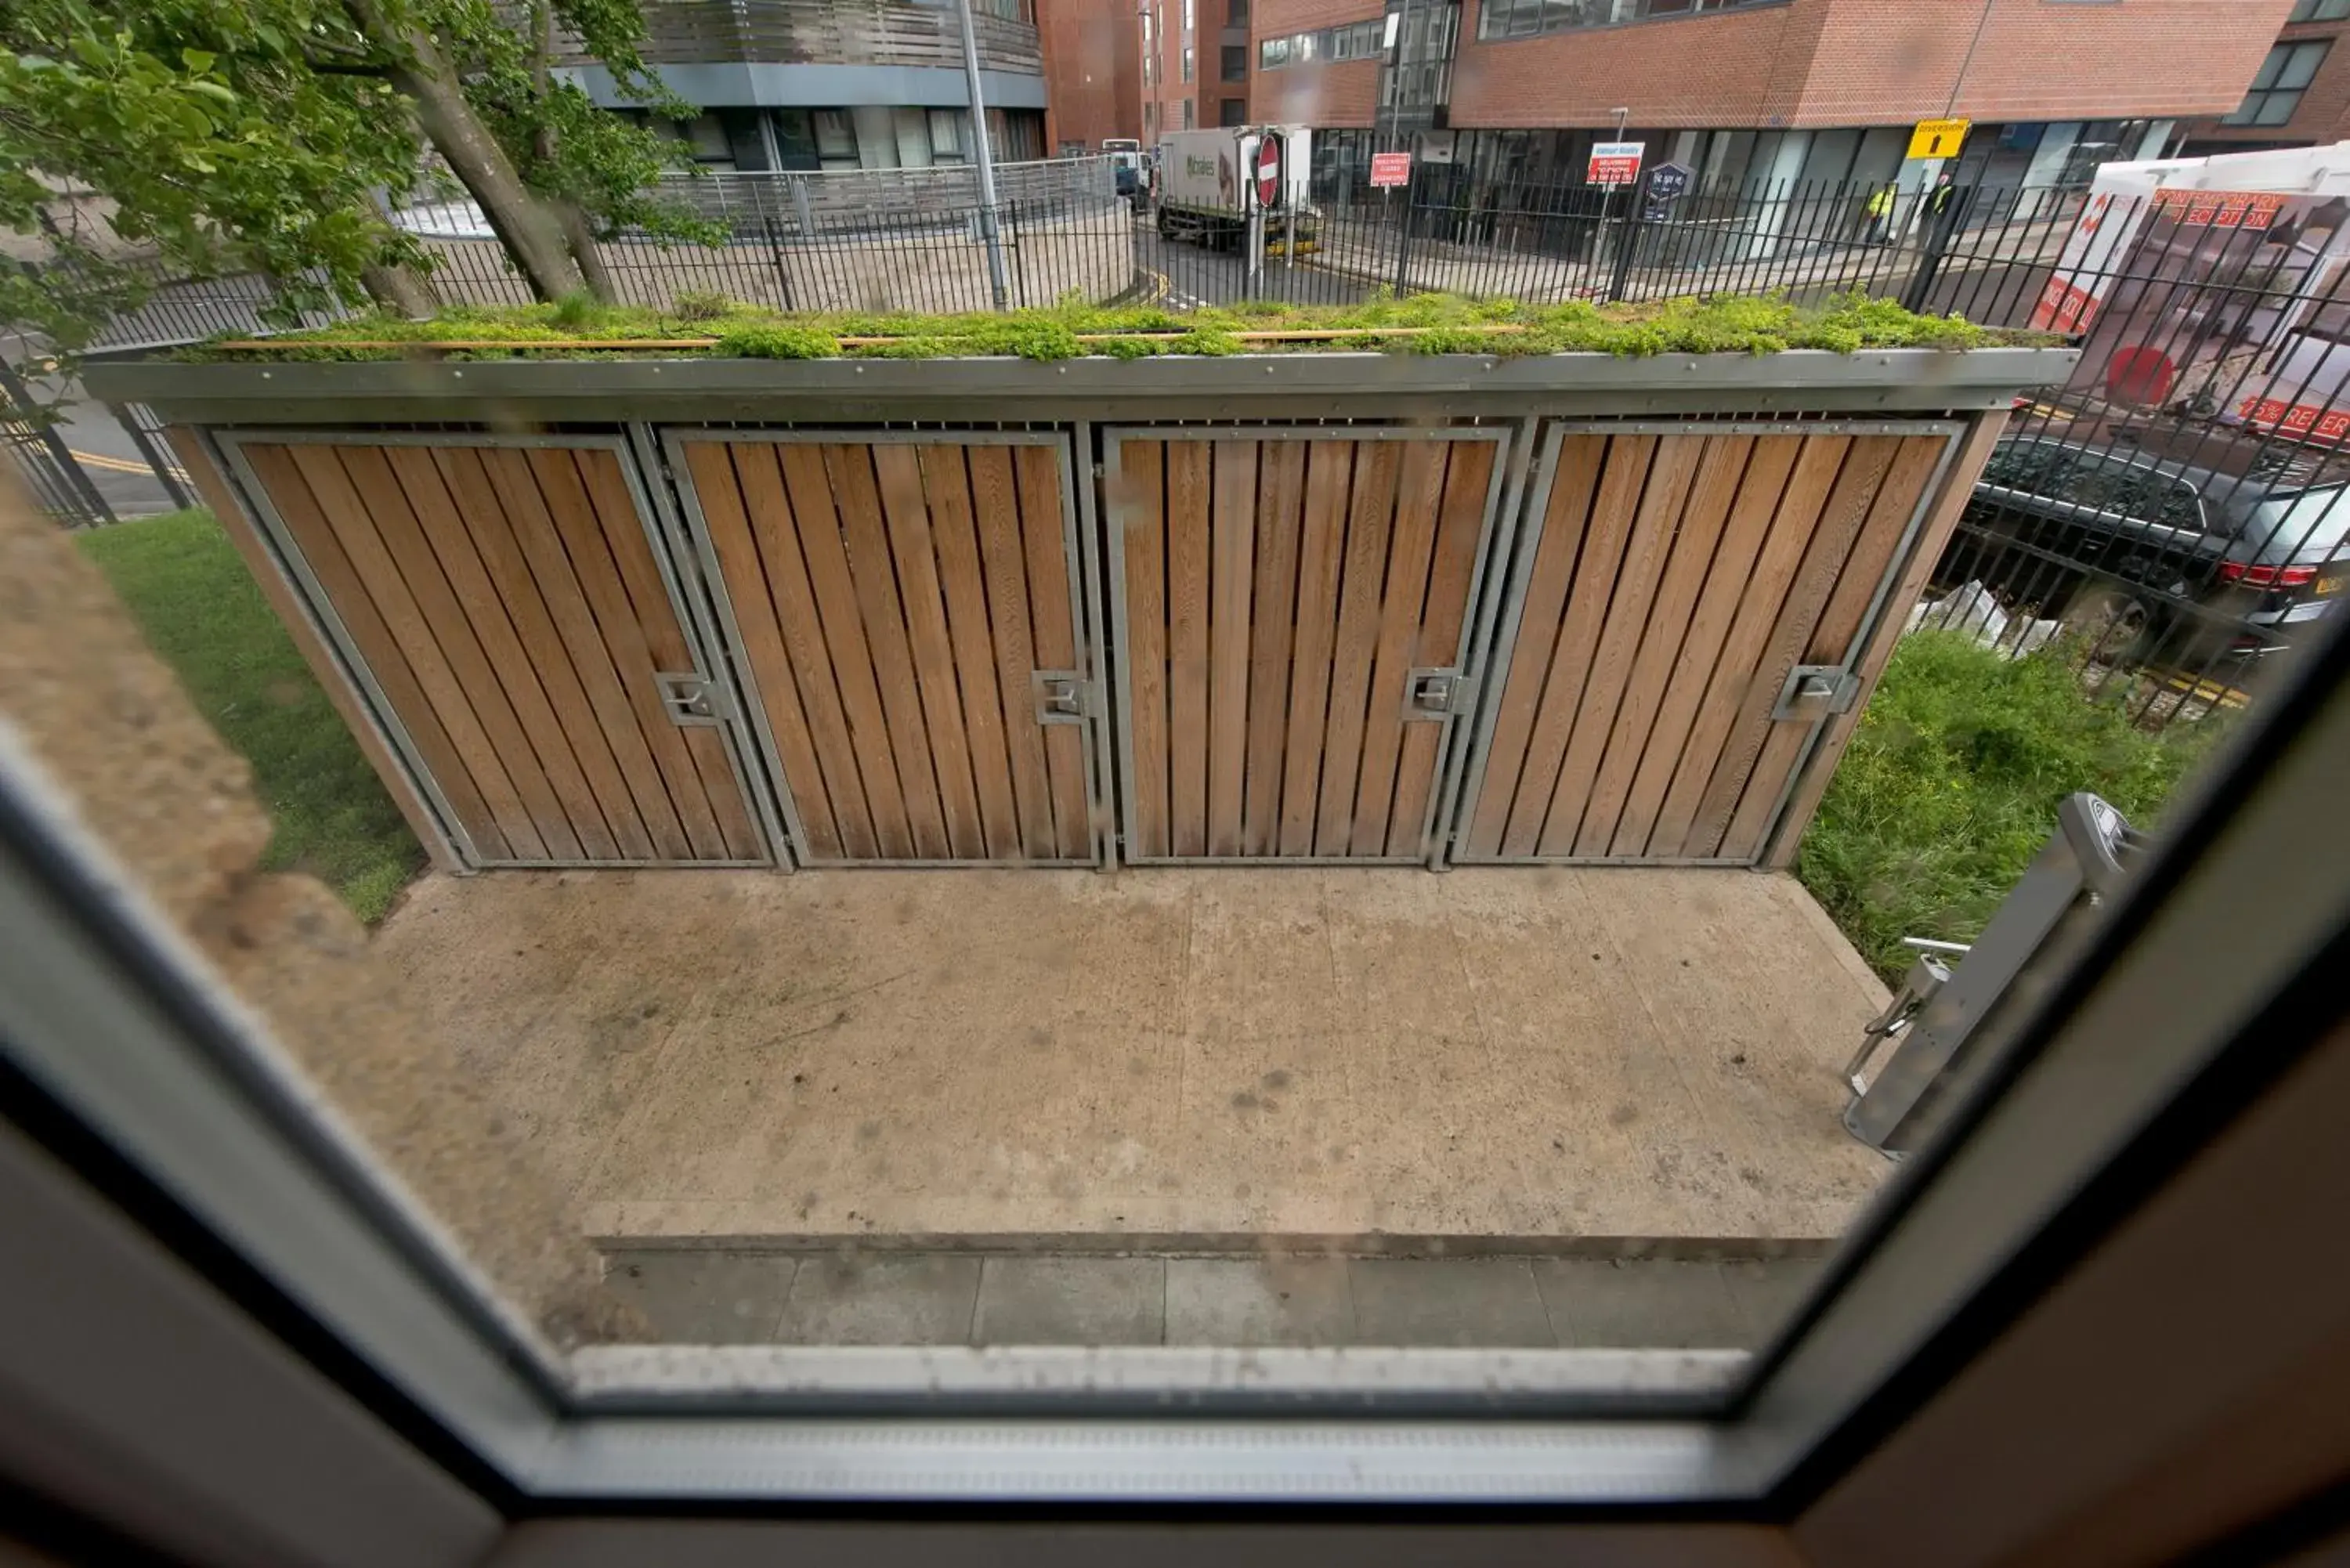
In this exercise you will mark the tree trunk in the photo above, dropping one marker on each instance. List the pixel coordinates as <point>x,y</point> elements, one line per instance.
<point>529,233</point>
<point>576,233</point>
<point>400,288</point>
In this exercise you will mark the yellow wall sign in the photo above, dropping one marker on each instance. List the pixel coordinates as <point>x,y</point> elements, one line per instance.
<point>1938,137</point>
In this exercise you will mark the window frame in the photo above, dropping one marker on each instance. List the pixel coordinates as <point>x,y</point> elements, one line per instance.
<point>109,1012</point>
<point>2266,91</point>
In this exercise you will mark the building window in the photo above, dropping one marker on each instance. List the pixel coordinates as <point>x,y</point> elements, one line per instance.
<point>1525,19</point>
<point>1187,113</point>
<point>1356,41</point>
<point>1236,13</point>
<point>1187,17</point>
<point>2283,78</point>
<point>836,138</point>
<point>1186,62</point>
<point>1232,111</point>
<point>946,135</point>
<point>2319,11</point>
<point>1236,62</point>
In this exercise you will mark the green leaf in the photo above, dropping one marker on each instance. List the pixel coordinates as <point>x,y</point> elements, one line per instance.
<point>198,60</point>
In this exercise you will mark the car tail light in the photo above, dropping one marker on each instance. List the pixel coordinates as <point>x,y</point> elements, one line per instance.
<point>2267,576</point>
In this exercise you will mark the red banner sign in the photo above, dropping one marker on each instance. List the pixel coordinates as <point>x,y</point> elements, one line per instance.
<point>2219,209</point>
<point>1615,162</point>
<point>2304,420</point>
<point>1390,168</point>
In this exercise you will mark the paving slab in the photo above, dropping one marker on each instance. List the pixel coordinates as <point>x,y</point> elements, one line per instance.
<point>1578,1056</point>
<point>881,1299</point>
<point>1769,1290</point>
<point>706,1298</point>
<point>1071,1301</point>
<point>1598,1304</point>
<point>1480,1302</point>
<point>1250,1302</point>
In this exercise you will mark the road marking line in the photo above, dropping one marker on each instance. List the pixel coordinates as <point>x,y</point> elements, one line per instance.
<point>114,464</point>
<point>2208,691</point>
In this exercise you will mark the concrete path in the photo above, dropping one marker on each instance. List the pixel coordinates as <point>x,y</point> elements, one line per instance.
<point>1190,1059</point>
<point>697,1297</point>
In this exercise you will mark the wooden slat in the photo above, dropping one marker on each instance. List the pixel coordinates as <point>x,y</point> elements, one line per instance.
<point>380,578</point>
<point>228,509</point>
<point>996,507</point>
<point>833,605</point>
<point>572,507</point>
<point>1468,480</point>
<point>1721,463</point>
<point>908,519</point>
<point>1957,489</point>
<point>1411,548</point>
<point>1726,583</point>
<point>1369,518</point>
<point>625,532</point>
<point>1863,474</point>
<point>1661,503</point>
<point>523,506</point>
<point>397,526</point>
<point>1605,532</point>
<point>1139,513</point>
<point>723,495</point>
<point>946,486</point>
<point>1187,646</point>
<point>482,514</point>
<point>1541,619</point>
<point>1836,634</point>
<point>1321,554</point>
<point>1053,618</point>
<point>452,542</point>
<point>290,495</point>
<point>1280,505</point>
<point>1231,582</point>
<point>1787,533</point>
<point>850,471</point>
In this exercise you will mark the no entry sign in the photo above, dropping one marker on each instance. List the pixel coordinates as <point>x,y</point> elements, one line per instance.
<point>1268,171</point>
<point>1615,162</point>
<point>1390,168</point>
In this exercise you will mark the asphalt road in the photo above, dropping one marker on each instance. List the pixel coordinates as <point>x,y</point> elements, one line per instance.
<point>102,449</point>
<point>1184,276</point>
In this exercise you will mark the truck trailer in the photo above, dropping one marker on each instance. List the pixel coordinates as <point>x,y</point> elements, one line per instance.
<point>1206,188</point>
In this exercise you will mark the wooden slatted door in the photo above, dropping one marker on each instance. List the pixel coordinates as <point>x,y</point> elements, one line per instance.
<point>1679,577</point>
<point>1281,597</point>
<point>905,607</point>
<point>509,624</point>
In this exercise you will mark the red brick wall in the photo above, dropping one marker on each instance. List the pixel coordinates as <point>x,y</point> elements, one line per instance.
<point>1881,62</point>
<point>1093,72</point>
<point>2324,112</point>
<point>1344,94</point>
<point>1873,62</point>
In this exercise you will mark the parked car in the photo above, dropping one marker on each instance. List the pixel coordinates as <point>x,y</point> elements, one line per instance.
<point>2183,565</point>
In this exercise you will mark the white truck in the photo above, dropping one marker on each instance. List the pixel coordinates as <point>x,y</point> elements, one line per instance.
<point>1205,187</point>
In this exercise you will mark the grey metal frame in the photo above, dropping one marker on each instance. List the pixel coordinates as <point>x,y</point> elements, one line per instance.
<point>727,630</point>
<point>228,444</point>
<point>1491,532</point>
<point>1512,610</point>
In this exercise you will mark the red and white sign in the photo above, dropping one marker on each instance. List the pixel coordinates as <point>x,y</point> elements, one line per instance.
<point>1615,162</point>
<point>1268,171</point>
<point>2300,422</point>
<point>2219,209</point>
<point>1390,168</point>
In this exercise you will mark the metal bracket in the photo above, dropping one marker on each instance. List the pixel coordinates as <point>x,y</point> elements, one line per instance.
<point>1434,694</point>
<point>1062,696</point>
<point>1812,691</point>
<point>692,698</point>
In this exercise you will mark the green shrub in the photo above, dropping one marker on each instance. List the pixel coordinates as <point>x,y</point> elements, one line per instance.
<point>700,304</point>
<point>772,340</point>
<point>1951,786</point>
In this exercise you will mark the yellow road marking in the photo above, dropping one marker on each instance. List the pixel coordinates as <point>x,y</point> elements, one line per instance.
<point>2208,691</point>
<point>113,464</point>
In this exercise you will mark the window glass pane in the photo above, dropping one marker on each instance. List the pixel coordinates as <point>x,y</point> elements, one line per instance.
<point>2300,65</point>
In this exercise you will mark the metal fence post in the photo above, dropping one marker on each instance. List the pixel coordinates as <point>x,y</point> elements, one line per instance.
<point>1628,246</point>
<point>166,473</point>
<point>19,410</point>
<point>1403,241</point>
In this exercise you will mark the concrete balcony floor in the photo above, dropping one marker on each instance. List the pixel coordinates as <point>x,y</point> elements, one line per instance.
<point>1617,1060</point>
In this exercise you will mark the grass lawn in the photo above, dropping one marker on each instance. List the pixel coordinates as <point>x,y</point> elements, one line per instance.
<point>190,592</point>
<point>1951,786</point>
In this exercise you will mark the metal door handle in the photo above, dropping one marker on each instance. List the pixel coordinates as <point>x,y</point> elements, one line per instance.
<point>1060,696</point>
<point>692,698</point>
<point>1434,694</point>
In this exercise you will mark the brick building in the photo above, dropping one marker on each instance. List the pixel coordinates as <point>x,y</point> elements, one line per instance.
<point>1514,91</point>
<point>2300,96</point>
<point>1093,72</point>
<point>1196,64</point>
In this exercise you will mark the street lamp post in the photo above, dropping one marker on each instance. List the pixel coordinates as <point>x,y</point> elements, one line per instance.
<point>987,229</point>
